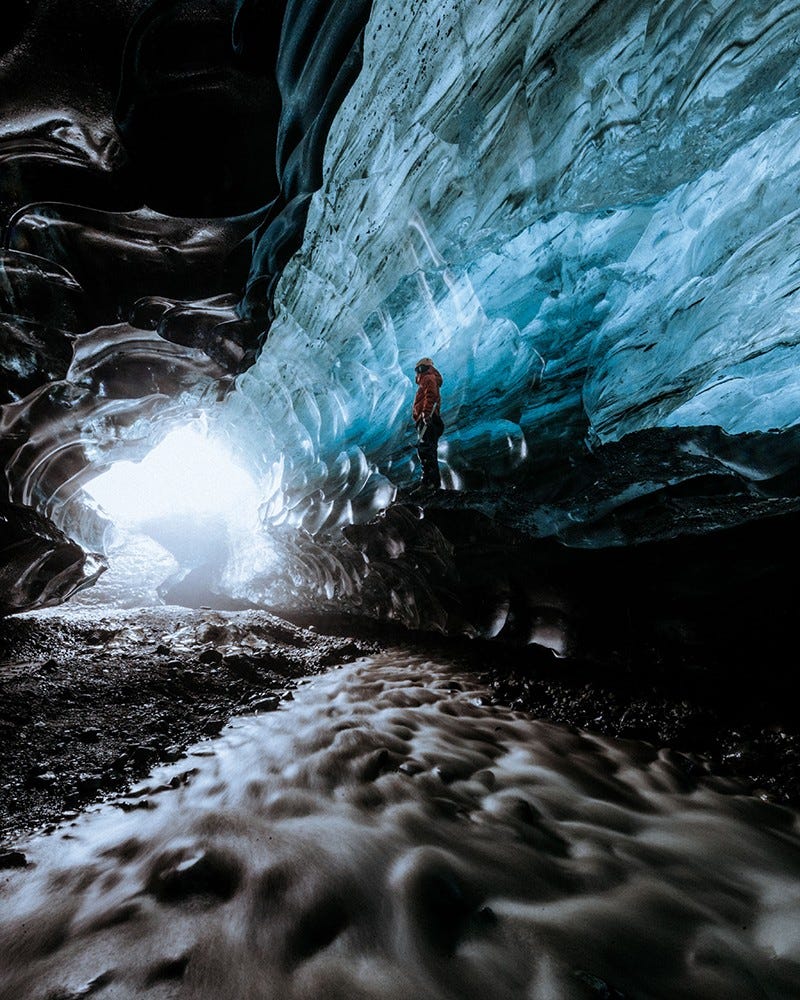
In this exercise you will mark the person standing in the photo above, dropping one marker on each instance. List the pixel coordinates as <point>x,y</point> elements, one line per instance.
<point>427,418</point>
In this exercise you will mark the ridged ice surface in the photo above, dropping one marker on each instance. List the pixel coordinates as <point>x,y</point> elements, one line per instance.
<point>388,835</point>
<point>156,162</point>
<point>586,212</point>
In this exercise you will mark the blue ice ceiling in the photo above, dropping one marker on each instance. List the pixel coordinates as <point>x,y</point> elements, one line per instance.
<point>586,213</point>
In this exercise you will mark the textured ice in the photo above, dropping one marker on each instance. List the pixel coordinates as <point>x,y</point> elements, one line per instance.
<point>585,212</point>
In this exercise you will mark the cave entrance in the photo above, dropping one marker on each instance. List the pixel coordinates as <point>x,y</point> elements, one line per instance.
<point>185,523</point>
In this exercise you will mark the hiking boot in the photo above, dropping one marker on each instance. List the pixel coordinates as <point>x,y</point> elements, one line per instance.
<point>424,491</point>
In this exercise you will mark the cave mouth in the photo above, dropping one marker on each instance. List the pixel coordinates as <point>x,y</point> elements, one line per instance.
<point>188,473</point>
<point>183,523</point>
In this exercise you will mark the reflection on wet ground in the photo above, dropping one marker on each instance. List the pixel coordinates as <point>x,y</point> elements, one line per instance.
<point>388,834</point>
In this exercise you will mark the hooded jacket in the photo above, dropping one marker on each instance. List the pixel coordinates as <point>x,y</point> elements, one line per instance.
<point>427,400</point>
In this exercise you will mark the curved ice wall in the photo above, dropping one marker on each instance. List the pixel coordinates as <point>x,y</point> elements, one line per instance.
<point>585,212</point>
<point>156,163</point>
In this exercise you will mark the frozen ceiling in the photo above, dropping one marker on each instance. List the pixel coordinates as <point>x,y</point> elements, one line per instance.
<point>260,215</point>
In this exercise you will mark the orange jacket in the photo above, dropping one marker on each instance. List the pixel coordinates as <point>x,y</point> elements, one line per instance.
<point>427,400</point>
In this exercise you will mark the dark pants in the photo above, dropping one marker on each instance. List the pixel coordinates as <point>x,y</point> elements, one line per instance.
<point>427,447</point>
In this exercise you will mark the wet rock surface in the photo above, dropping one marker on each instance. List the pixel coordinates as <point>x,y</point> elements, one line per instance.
<point>745,734</point>
<point>39,565</point>
<point>734,716</point>
<point>90,702</point>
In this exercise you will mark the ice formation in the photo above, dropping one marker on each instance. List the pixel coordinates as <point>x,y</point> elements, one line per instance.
<point>585,212</point>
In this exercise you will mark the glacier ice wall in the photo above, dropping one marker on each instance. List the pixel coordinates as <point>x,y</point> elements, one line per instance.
<point>586,212</point>
<point>156,162</point>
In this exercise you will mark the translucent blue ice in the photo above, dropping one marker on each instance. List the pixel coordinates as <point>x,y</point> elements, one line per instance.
<point>586,213</point>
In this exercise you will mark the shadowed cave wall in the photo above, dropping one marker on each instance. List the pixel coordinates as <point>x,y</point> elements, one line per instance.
<point>229,229</point>
<point>266,212</point>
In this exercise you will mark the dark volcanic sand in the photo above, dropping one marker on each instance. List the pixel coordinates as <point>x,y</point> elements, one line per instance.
<point>90,701</point>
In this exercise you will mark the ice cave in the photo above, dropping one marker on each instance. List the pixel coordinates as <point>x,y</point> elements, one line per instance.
<point>281,718</point>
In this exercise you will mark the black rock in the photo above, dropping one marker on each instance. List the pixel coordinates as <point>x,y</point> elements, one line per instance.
<point>88,784</point>
<point>241,665</point>
<point>12,859</point>
<point>265,704</point>
<point>42,779</point>
<point>210,656</point>
<point>178,876</point>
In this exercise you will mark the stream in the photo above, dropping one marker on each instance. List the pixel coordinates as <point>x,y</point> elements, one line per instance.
<point>389,834</point>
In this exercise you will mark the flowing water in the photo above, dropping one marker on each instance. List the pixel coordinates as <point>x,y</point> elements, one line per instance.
<point>389,835</point>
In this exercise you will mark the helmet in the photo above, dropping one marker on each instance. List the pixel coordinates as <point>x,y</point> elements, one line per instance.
<point>423,363</point>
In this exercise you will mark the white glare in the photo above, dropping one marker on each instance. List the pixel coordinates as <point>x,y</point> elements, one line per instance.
<point>187,473</point>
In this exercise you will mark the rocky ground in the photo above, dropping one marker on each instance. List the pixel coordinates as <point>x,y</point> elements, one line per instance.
<point>90,701</point>
<point>734,716</point>
<point>391,834</point>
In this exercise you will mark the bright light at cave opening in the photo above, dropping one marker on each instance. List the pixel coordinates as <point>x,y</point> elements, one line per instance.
<point>187,473</point>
